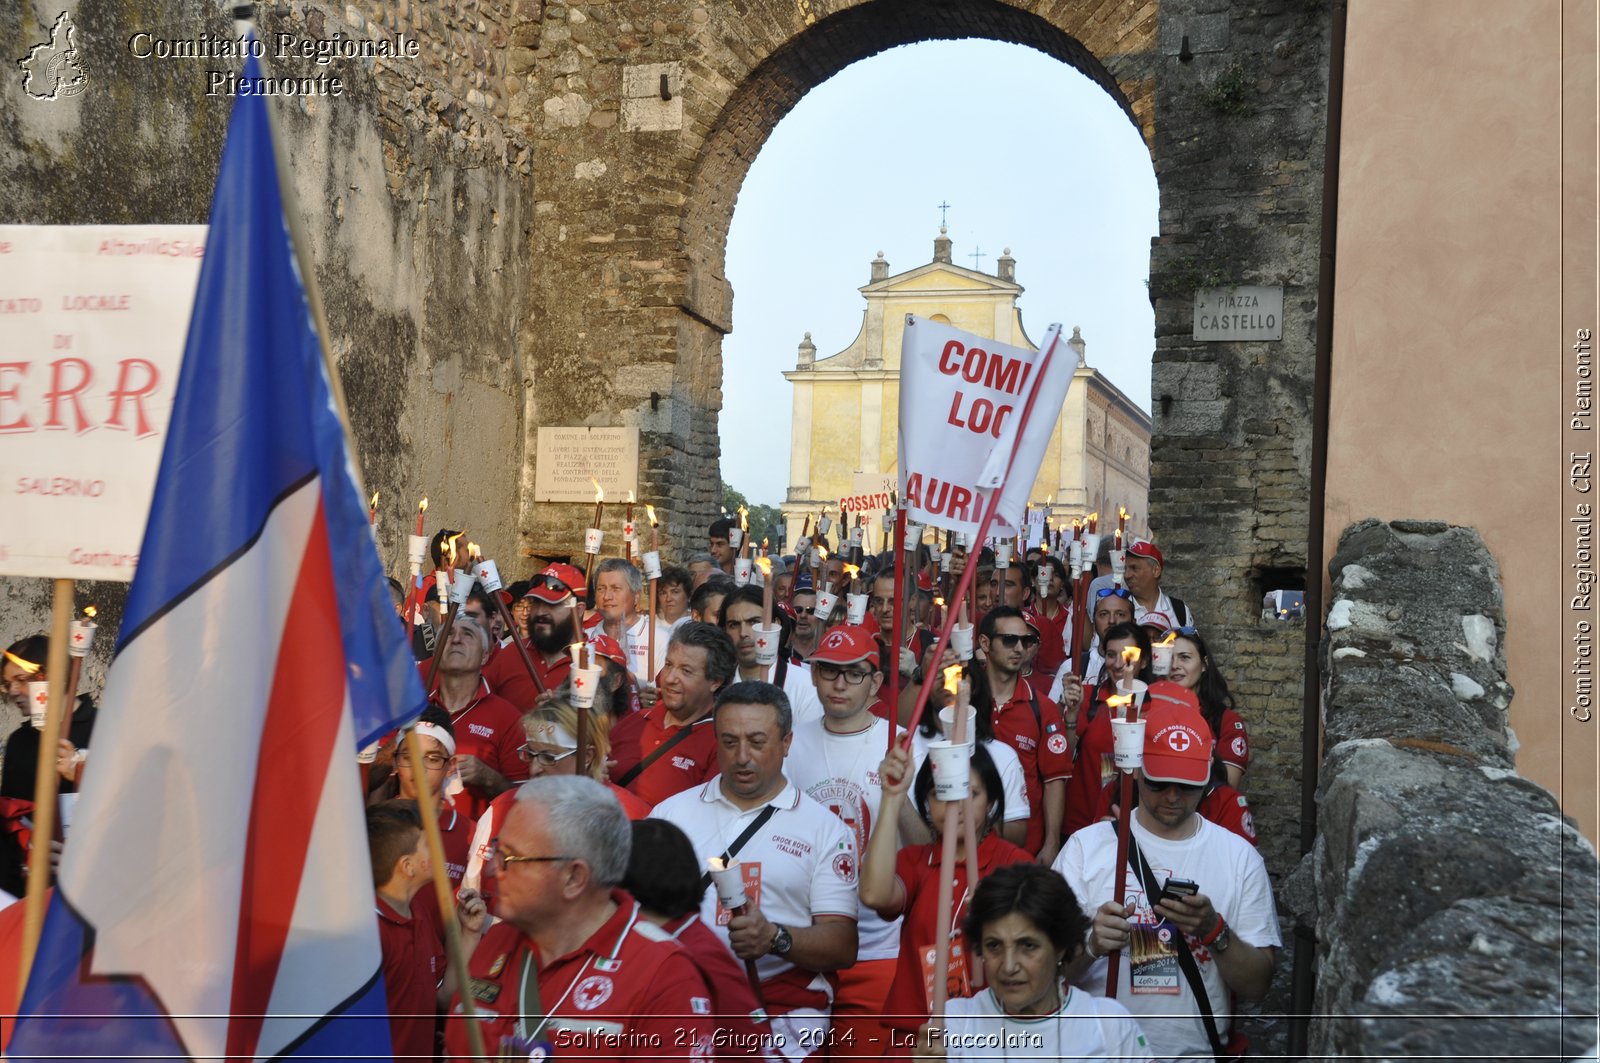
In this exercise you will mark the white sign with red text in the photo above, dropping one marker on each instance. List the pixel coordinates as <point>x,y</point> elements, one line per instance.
<point>975,416</point>
<point>869,492</point>
<point>94,319</point>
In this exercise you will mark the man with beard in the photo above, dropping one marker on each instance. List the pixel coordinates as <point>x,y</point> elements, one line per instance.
<point>554,615</point>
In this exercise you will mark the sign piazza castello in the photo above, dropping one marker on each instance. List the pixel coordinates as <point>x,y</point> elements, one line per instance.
<point>846,405</point>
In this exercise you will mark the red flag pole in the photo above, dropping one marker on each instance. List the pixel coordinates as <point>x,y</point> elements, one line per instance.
<point>899,548</point>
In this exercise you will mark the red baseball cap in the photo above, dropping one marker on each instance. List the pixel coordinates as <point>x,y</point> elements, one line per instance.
<point>847,645</point>
<point>925,583</point>
<point>1146,548</point>
<point>1177,740</point>
<point>1031,618</point>
<point>607,647</point>
<point>557,583</point>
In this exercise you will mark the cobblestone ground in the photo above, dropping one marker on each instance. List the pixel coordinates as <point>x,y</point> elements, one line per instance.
<point>1266,1022</point>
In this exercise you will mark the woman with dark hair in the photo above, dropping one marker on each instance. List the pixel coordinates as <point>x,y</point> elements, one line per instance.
<point>665,879</point>
<point>906,882</point>
<point>1030,929</point>
<point>1091,760</point>
<point>1192,667</point>
<point>1013,785</point>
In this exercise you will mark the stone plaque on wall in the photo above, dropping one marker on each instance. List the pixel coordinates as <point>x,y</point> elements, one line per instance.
<point>1245,313</point>
<point>568,457</point>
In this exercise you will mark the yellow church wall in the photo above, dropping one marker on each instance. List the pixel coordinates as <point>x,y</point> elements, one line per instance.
<point>835,437</point>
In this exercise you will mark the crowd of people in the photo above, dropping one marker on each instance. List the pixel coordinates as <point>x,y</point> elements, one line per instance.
<point>594,758</point>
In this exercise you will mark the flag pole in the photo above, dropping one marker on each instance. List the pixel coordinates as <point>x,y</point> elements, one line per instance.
<point>44,783</point>
<point>896,628</point>
<point>430,821</point>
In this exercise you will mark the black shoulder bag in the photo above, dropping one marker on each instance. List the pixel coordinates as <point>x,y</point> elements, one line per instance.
<point>738,843</point>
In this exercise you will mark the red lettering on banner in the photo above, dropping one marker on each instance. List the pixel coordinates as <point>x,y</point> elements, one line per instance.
<point>96,302</point>
<point>59,391</point>
<point>939,498</point>
<point>123,393</point>
<point>13,394</point>
<point>946,366</point>
<point>981,417</point>
<point>138,380</point>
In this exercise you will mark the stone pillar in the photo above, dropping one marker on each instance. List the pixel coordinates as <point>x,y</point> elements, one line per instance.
<point>880,267</point>
<point>941,245</point>
<point>1006,266</point>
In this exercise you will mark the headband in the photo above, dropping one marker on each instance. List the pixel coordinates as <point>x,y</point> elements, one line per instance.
<point>439,734</point>
<point>552,734</point>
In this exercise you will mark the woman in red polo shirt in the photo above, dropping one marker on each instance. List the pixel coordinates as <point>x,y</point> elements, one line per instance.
<point>897,882</point>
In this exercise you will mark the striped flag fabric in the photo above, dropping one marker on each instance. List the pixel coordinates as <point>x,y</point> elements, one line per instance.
<point>215,897</point>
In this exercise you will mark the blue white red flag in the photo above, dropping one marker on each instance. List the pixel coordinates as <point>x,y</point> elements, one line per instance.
<point>214,898</point>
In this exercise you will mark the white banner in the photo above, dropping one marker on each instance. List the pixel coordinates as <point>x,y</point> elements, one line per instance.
<point>94,319</point>
<point>963,399</point>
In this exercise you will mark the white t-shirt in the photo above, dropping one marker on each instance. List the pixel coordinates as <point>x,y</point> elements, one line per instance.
<point>801,689</point>
<point>1084,1028</point>
<point>840,772</point>
<point>1006,763</point>
<point>636,646</point>
<point>800,864</point>
<point>1227,869</point>
<point>1165,608</point>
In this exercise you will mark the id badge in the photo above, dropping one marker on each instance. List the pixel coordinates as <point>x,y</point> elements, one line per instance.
<point>1153,967</point>
<point>957,981</point>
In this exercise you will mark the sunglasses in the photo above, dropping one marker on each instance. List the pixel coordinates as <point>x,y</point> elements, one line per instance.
<point>805,610</point>
<point>1187,632</point>
<point>1011,642</point>
<point>1120,592</point>
<point>1160,786</point>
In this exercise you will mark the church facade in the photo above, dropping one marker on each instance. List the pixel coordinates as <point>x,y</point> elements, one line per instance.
<point>845,420</point>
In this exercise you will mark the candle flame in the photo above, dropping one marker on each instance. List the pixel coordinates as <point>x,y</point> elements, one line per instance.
<point>90,611</point>
<point>852,571</point>
<point>765,565</point>
<point>422,507</point>
<point>473,552</point>
<point>599,495</point>
<point>744,522</point>
<point>1050,500</point>
<point>952,678</point>
<point>450,546</point>
<point>939,602</point>
<point>1094,516</point>
<point>630,498</point>
<point>1172,636</point>
<point>374,503</point>
<point>1117,701</point>
<point>716,864</point>
<point>1130,656</point>
<point>650,511</point>
<point>822,553</point>
<point>1122,513</point>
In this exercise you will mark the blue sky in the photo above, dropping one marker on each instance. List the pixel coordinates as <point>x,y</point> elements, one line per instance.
<point>1029,154</point>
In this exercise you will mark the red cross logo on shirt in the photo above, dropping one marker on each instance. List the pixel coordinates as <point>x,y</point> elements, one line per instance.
<point>1178,740</point>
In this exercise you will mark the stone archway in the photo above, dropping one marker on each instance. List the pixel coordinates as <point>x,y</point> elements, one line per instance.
<point>646,116</point>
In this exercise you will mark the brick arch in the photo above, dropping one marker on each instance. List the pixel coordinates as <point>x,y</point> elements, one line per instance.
<point>1092,38</point>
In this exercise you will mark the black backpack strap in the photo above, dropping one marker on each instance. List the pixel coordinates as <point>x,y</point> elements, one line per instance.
<point>738,843</point>
<point>655,754</point>
<point>1191,970</point>
<point>1182,619</point>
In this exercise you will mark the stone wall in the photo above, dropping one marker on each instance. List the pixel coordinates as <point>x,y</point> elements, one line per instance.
<point>417,199</point>
<point>1239,140</point>
<point>1444,888</point>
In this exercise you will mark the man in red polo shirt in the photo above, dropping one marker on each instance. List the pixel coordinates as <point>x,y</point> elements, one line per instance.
<point>671,746</point>
<point>1029,724</point>
<point>437,735</point>
<point>488,729</point>
<point>554,617</point>
<point>415,978</point>
<point>572,965</point>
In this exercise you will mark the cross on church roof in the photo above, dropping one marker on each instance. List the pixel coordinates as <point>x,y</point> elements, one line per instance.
<point>943,209</point>
<point>976,256</point>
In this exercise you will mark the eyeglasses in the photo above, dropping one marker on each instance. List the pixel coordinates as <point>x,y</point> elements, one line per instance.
<point>1187,632</point>
<point>499,856</point>
<point>805,610</point>
<point>529,755</point>
<point>430,761</point>
<point>1120,592</point>
<point>829,672</point>
<point>1160,786</point>
<point>1011,642</point>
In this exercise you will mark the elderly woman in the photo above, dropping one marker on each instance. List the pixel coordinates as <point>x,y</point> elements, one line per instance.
<point>1029,929</point>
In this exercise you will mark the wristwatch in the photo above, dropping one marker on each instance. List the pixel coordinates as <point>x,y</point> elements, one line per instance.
<point>782,941</point>
<point>1223,939</point>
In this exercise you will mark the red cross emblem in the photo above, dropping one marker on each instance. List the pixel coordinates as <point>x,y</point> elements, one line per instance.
<point>592,992</point>
<point>77,636</point>
<point>42,698</point>
<point>1178,740</point>
<point>578,682</point>
<point>761,642</point>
